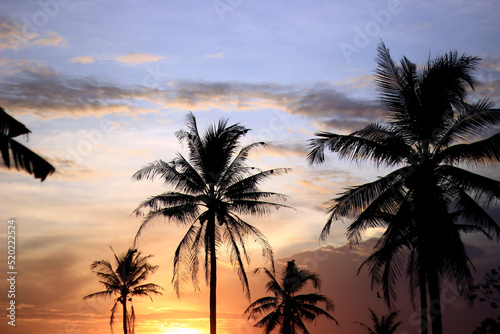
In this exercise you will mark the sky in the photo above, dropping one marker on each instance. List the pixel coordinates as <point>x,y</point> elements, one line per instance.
<point>104,85</point>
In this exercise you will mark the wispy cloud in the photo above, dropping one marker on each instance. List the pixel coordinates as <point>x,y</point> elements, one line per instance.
<point>88,96</point>
<point>137,58</point>
<point>421,26</point>
<point>323,104</point>
<point>286,149</point>
<point>81,60</point>
<point>50,38</point>
<point>70,170</point>
<point>54,96</point>
<point>216,55</point>
<point>15,36</point>
<point>24,66</point>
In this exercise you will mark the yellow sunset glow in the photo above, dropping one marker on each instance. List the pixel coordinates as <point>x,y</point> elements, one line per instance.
<point>183,331</point>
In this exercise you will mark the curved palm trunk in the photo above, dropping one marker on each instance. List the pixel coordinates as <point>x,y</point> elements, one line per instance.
<point>435,306</point>
<point>125,326</point>
<point>213,278</point>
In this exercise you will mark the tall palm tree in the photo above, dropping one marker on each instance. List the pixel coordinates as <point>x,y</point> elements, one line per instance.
<point>210,189</point>
<point>22,157</point>
<point>287,309</point>
<point>384,325</point>
<point>429,199</point>
<point>125,281</point>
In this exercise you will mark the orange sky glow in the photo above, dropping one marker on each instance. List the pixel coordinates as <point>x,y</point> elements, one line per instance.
<point>104,86</point>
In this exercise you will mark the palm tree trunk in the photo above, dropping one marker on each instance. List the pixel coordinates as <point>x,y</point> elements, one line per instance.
<point>423,303</point>
<point>124,303</point>
<point>435,306</point>
<point>213,278</point>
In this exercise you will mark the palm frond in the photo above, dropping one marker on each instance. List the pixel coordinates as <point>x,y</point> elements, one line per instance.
<point>11,127</point>
<point>181,214</point>
<point>252,182</point>
<point>476,120</point>
<point>237,169</point>
<point>483,189</point>
<point>381,146</point>
<point>481,153</point>
<point>378,213</point>
<point>269,322</point>
<point>186,254</point>
<point>234,237</point>
<point>99,294</point>
<point>178,173</point>
<point>355,200</point>
<point>112,317</point>
<point>24,159</point>
<point>260,306</point>
<point>168,199</point>
<point>389,82</point>
<point>474,215</point>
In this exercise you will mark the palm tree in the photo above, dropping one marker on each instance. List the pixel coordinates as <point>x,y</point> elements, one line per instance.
<point>125,281</point>
<point>22,157</point>
<point>429,199</point>
<point>210,189</point>
<point>384,325</point>
<point>286,308</point>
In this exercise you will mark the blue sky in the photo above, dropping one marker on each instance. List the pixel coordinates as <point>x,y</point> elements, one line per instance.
<point>103,86</point>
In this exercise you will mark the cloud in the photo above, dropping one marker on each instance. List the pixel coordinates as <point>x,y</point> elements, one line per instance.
<point>358,82</point>
<point>67,169</point>
<point>51,38</point>
<point>320,101</point>
<point>324,101</point>
<point>49,94</point>
<point>137,58</point>
<point>216,55</point>
<point>54,96</point>
<point>16,36</point>
<point>420,26</point>
<point>287,150</point>
<point>81,60</point>
<point>489,86</point>
<point>14,66</point>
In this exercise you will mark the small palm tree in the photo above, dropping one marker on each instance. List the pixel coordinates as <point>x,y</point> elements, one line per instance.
<point>287,309</point>
<point>384,325</point>
<point>22,157</point>
<point>211,189</point>
<point>125,281</point>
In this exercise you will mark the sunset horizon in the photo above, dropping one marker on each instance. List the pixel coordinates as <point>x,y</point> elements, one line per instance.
<point>111,93</point>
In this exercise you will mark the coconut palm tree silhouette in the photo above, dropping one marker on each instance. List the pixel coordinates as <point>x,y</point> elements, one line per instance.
<point>125,281</point>
<point>286,309</point>
<point>211,188</point>
<point>429,200</point>
<point>383,325</point>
